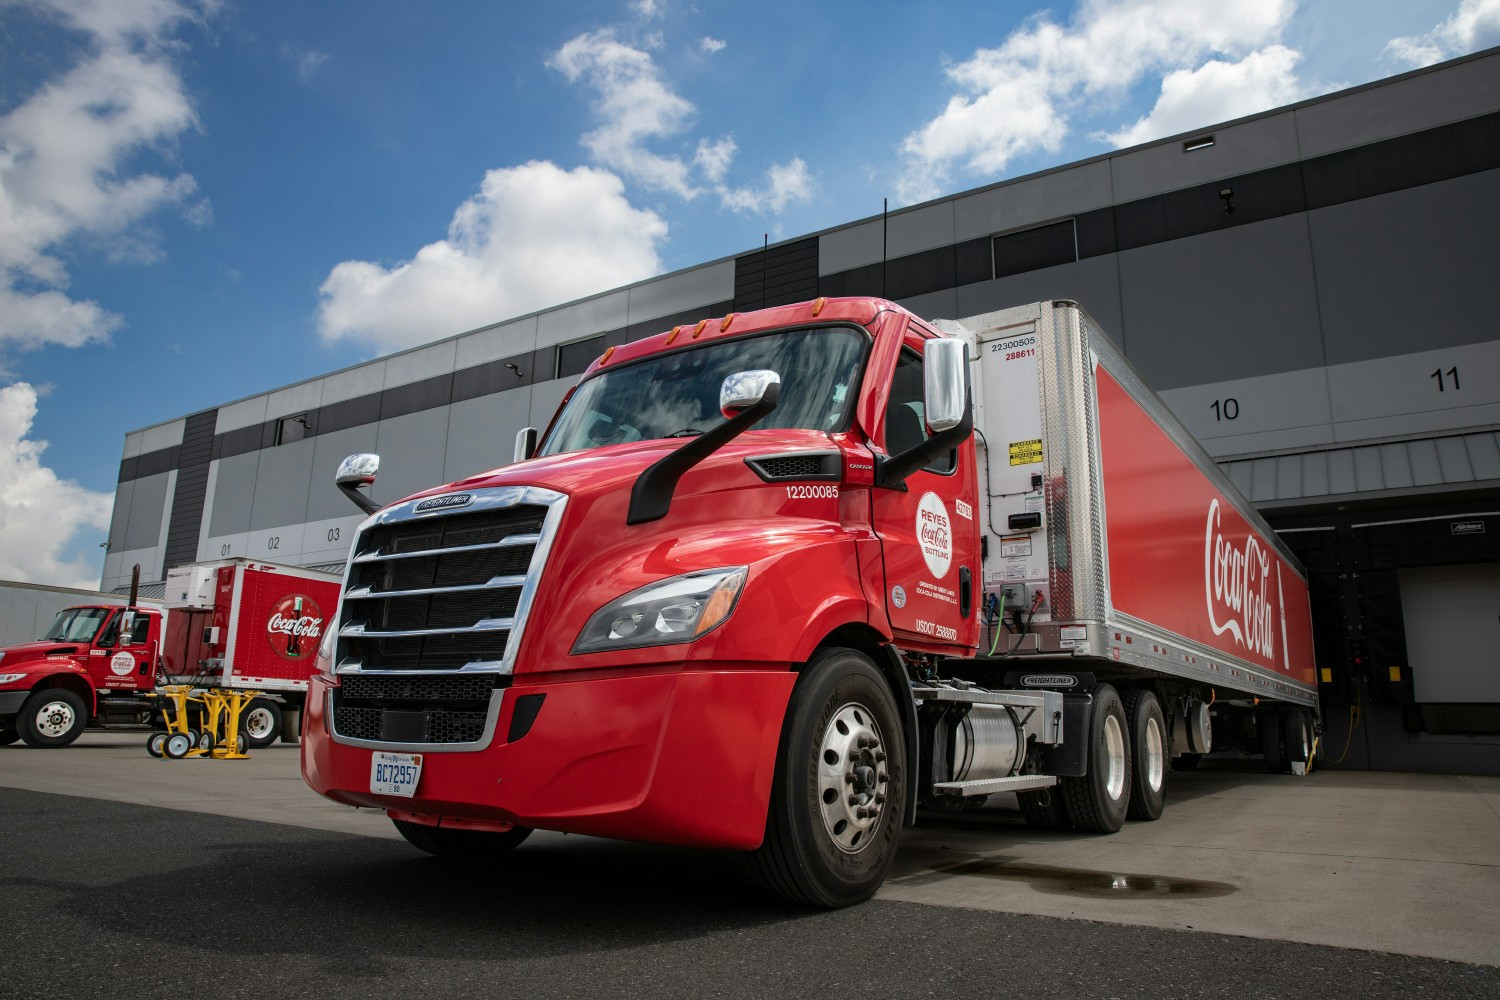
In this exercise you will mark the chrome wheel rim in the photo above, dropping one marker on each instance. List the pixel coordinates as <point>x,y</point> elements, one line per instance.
<point>55,718</point>
<point>1114,758</point>
<point>852,777</point>
<point>1155,754</point>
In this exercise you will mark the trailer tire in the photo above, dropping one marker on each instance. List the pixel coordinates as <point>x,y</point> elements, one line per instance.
<point>261,723</point>
<point>52,717</point>
<point>1148,748</point>
<point>838,794</point>
<point>1044,809</point>
<point>1098,801</point>
<point>156,744</point>
<point>461,845</point>
<point>1273,741</point>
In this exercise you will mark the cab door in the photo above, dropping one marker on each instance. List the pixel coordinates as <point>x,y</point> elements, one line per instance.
<point>124,661</point>
<point>928,532</point>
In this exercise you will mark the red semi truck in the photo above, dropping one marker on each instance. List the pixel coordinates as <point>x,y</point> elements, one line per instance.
<point>236,624</point>
<point>773,581</point>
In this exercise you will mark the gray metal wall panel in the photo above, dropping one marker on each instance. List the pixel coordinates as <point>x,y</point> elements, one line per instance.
<point>411,453</point>
<point>1484,455</point>
<point>851,246</point>
<point>1426,470</point>
<point>922,228</point>
<point>1395,467</point>
<point>1341,478</point>
<point>18,614</point>
<point>352,383</point>
<point>681,291</point>
<point>1289,477</point>
<point>245,413</point>
<point>1368,474</point>
<point>1262,480</point>
<point>1231,304</point>
<point>583,319</point>
<point>1032,201</point>
<point>163,435</point>
<point>1399,272</point>
<point>494,343</point>
<point>234,492</point>
<point>482,432</point>
<point>1452,634</point>
<point>147,503</point>
<point>294,399</point>
<point>133,442</point>
<point>1242,474</point>
<point>324,499</point>
<point>120,518</point>
<point>1315,478</point>
<point>1454,458</point>
<point>545,398</point>
<point>281,485</point>
<point>1450,94</point>
<point>935,304</point>
<point>421,363</point>
<point>1237,149</point>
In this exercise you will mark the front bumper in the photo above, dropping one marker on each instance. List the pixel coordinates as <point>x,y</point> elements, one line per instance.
<point>682,757</point>
<point>11,702</point>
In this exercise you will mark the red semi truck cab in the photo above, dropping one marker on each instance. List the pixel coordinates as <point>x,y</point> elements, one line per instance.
<point>90,656</point>
<point>715,606</point>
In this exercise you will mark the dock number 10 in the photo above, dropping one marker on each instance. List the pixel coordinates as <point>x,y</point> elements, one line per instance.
<point>1226,409</point>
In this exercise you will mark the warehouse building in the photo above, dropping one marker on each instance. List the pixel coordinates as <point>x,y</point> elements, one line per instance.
<point>1307,288</point>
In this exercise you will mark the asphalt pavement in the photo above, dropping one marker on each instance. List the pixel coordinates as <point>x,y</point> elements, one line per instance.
<point>106,898</point>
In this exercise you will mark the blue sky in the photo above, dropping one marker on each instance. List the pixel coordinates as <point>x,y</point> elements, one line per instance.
<point>201,200</point>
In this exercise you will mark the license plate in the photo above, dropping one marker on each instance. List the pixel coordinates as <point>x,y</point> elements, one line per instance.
<point>395,773</point>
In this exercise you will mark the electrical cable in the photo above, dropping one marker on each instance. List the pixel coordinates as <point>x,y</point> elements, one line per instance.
<point>1355,717</point>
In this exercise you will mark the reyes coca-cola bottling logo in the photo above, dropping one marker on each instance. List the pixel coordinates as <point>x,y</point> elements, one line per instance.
<point>1237,583</point>
<point>295,625</point>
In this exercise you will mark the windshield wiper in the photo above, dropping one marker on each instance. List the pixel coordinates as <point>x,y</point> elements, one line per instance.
<point>686,432</point>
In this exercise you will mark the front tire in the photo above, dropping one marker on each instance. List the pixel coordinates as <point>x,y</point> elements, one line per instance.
<point>261,723</point>
<point>1148,747</point>
<point>52,717</point>
<point>464,845</point>
<point>1098,801</point>
<point>839,793</point>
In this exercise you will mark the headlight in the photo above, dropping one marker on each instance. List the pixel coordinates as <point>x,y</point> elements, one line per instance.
<point>10,678</point>
<point>677,609</point>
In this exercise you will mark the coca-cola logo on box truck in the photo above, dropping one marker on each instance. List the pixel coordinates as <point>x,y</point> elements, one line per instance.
<point>295,626</point>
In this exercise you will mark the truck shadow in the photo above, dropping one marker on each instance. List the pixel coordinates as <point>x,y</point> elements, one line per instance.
<point>364,904</point>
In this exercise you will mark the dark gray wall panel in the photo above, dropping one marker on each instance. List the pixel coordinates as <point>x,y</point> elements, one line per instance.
<point>281,485</point>
<point>234,489</point>
<point>411,453</point>
<point>324,499</point>
<point>1408,271</point>
<point>147,505</point>
<point>482,433</point>
<point>120,519</point>
<point>1224,305</point>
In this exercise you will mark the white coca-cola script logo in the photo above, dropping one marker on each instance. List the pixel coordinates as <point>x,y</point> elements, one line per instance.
<point>1236,584</point>
<point>305,626</point>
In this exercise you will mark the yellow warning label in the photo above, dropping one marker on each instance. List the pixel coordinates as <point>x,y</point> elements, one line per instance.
<point>1327,675</point>
<point>1395,675</point>
<point>1026,452</point>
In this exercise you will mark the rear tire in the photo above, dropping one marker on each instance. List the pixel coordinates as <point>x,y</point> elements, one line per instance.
<point>1098,801</point>
<point>1044,809</point>
<point>1148,746</point>
<point>839,794</point>
<point>465,845</point>
<point>52,717</point>
<point>261,723</point>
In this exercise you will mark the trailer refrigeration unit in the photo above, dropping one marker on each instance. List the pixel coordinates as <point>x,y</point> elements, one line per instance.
<point>232,624</point>
<point>773,581</point>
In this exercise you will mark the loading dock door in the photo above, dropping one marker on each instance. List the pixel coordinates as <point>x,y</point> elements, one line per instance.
<point>1452,617</point>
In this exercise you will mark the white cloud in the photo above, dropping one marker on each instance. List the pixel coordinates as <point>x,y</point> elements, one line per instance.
<point>712,45</point>
<point>307,61</point>
<point>40,514</point>
<point>713,158</point>
<point>636,107</point>
<point>646,8</point>
<point>63,151</point>
<point>1016,99</point>
<point>1474,25</point>
<point>534,236</point>
<point>786,184</point>
<point>1216,91</point>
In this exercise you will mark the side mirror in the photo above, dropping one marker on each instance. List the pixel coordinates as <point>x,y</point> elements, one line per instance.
<point>742,390</point>
<point>943,394</point>
<point>354,472</point>
<point>526,439</point>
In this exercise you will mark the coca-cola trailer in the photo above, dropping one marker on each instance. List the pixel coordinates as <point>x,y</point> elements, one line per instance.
<point>772,581</point>
<point>231,624</point>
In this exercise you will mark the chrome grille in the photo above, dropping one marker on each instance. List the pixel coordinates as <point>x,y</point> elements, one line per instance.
<point>432,614</point>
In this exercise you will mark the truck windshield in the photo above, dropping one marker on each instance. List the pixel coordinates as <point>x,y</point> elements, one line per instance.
<point>76,624</point>
<point>677,394</point>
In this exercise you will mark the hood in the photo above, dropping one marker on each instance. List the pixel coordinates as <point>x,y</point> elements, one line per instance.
<point>39,650</point>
